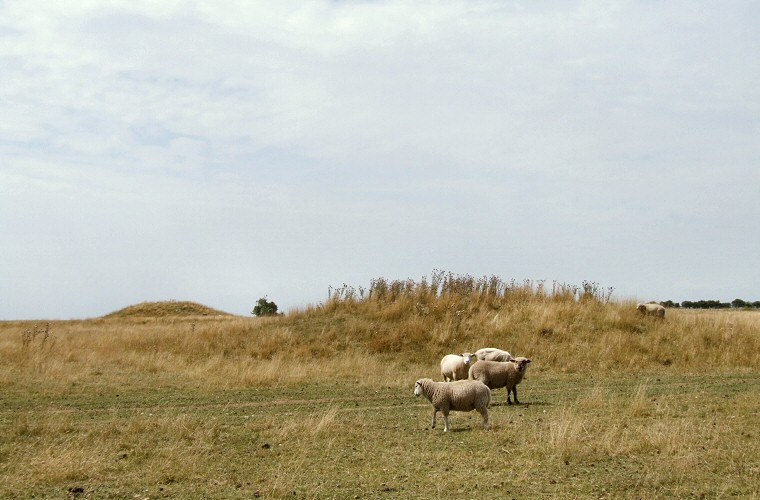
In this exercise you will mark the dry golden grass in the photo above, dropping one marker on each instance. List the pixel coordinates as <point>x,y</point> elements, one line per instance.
<point>361,341</point>
<point>617,404</point>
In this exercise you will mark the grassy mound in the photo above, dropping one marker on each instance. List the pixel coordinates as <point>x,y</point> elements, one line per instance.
<point>566,327</point>
<point>163,309</point>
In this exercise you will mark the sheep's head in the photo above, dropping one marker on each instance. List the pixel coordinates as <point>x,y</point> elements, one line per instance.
<point>468,357</point>
<point>418,387</point>
<point>522,363</point>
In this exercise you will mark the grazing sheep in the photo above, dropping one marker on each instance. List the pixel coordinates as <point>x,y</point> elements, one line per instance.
<point>651,310</point>
<point>493,354</point>
<point>496,374</point>
<point>456,366</point>
<point>461,395</point>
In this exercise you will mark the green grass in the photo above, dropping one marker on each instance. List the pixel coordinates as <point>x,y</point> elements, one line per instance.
<point>574,436</point>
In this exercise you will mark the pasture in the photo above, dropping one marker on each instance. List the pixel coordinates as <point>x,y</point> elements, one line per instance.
<point>318,403</point>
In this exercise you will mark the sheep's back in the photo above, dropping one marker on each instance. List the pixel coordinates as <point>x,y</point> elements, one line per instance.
<point>494,374</point>
<point>468,394</point>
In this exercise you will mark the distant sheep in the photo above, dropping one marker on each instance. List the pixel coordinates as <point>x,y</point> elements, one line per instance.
<point>493,354</point>
<point>456,366</point>
<point>651,309</point>
<point>496,374</point>
<point>461,395</point>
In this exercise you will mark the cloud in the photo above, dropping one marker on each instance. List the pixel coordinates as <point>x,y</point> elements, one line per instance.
<point>234,149</point>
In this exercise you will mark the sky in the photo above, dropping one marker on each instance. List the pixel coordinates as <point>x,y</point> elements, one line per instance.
<point>220,152</point>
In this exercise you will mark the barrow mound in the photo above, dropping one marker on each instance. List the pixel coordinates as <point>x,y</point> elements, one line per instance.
<point>166,308</point>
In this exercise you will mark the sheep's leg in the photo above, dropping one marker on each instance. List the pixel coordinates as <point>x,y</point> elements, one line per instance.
<point>435,410</point>
<point>484,412</point>
<point>514,391</point>
<point>445,421</point>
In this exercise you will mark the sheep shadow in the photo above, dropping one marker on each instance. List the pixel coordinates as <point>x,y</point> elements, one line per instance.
<point>452,429</point>
<point>460,429</point>
<point>498,404</point>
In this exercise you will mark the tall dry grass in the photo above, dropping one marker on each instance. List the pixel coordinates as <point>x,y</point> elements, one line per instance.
<point>377,334</point>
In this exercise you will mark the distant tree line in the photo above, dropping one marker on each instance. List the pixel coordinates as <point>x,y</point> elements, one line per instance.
<point>713,304</point>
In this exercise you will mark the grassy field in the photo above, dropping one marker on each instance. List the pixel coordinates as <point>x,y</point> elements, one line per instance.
<point>318,403</point>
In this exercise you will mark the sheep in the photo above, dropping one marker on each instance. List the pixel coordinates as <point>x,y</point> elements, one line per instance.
<point>460,395</point>
<point>456,366</point>
<point>651,309</point>
<point>496,374</point>
<point>493,354</point>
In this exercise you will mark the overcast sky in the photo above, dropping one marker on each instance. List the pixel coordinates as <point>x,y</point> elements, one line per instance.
<point>222,151</point>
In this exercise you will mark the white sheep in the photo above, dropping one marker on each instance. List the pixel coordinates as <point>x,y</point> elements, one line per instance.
<point>493,354</point>
<point>496,374</point>
<point>456,366</point>
<point>461,395</point>
<point>651,309</point>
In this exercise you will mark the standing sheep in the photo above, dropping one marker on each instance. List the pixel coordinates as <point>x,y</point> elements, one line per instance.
<point>456,366</point>
<point>651,309</point>
<point>496,374</point>
<point>461,395</point>
<point>493,354</point>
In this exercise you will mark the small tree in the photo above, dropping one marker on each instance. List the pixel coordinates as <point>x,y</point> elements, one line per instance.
<point>264,307</point>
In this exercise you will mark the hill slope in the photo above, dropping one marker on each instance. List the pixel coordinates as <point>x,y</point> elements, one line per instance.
<point>166,308</point>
